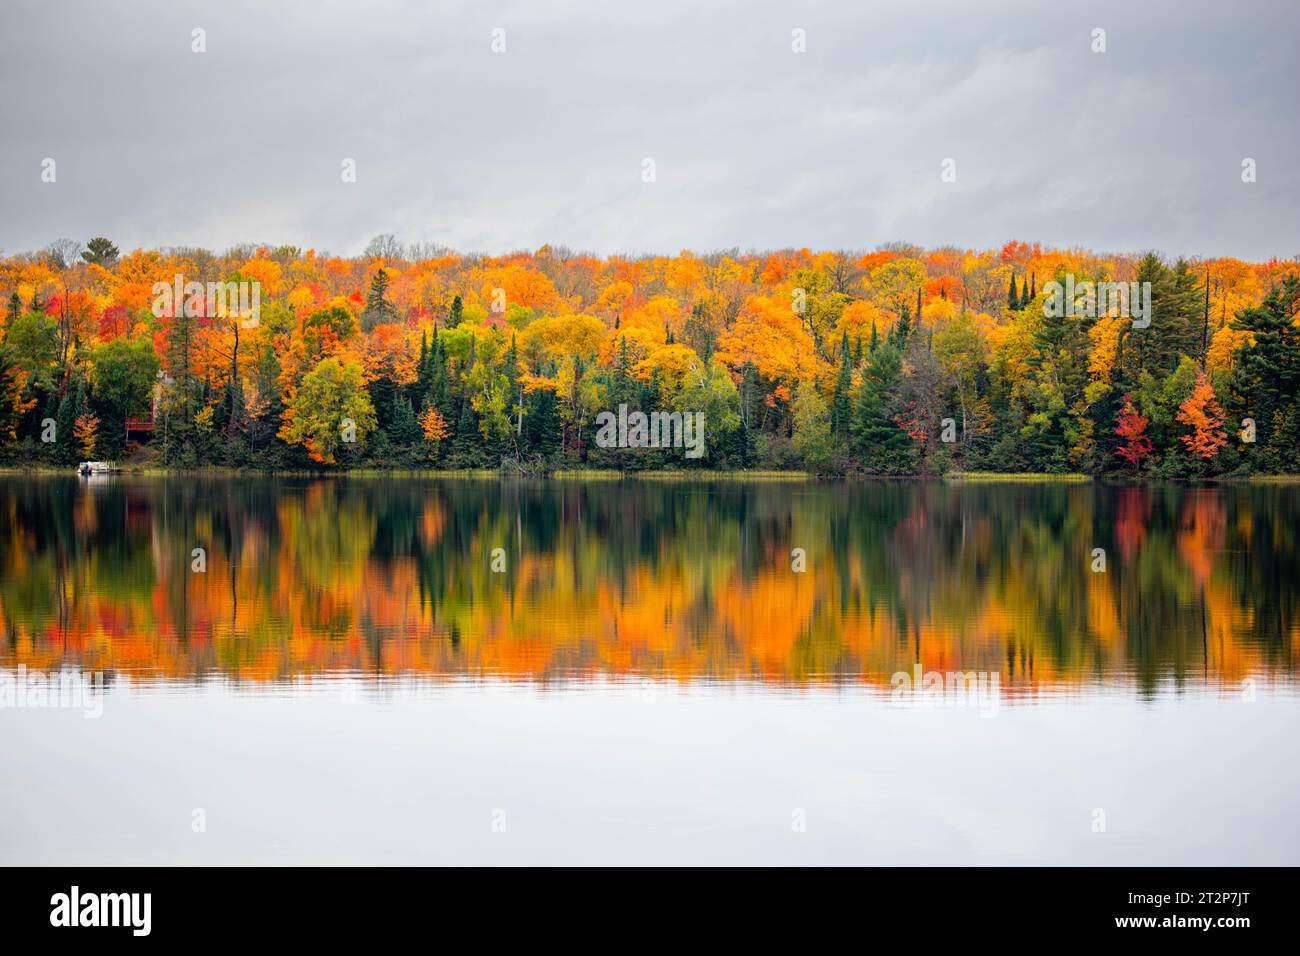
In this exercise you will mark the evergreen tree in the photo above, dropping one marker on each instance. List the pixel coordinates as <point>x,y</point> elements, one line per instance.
<point>383,396</point>
<point>378,311</point>
<point>405,430</point>
<point>901,330</point>
<point>1060,373</point>
<point>1175,322</point>
<point>841,413</point>
<point>884,448</point>
<point>71,406</point>
<point>51,452</point>
<point>750,397</point>
<point>543,430</point>
<point>436,393</point>
<point>100,252</point>
<point>423,367</point>
<point>621,385</point>
<point>1267,373</point>
<point>467,441</point>
<point>181,393</point>
<point>514,390</point>
<point>265,424</point>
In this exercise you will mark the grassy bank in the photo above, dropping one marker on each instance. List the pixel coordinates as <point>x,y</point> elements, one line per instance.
<point>1029,476</point>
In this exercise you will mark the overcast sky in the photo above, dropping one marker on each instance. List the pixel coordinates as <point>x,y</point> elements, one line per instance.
<point>755,146</point>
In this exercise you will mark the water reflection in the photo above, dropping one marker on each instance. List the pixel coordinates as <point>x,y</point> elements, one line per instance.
<point>624,580</point>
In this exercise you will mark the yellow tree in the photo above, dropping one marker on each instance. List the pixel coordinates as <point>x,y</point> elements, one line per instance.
<point>769,333</point>
<point>672,364</point>
<point>86,432</point>
<point>553,336</point>
<point>331,409</point>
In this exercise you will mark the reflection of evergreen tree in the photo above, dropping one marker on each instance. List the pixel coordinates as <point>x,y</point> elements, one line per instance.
<point>307,574</point>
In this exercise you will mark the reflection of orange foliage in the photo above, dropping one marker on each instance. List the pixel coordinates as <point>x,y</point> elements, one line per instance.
<point>1103,615</point>
<point>1201,536</point>
<point>319,589</point>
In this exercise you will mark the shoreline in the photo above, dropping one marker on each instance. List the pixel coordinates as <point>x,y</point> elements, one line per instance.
<point>605,474</point>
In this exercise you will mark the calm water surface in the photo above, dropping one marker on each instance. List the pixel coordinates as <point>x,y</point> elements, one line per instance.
<point>340,675</point>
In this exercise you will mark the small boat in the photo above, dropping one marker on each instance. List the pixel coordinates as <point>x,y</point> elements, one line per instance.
<point>88,468</point>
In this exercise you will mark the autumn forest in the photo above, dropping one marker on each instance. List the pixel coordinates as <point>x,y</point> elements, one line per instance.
<point>901,361</point>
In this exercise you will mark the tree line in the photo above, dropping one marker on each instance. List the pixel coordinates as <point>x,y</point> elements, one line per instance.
<point>900,361</point>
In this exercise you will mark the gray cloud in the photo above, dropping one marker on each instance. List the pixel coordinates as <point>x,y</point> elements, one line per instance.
<point>755,146</point>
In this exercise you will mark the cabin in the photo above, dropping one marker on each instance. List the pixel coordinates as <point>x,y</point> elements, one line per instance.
<point>141,429</point>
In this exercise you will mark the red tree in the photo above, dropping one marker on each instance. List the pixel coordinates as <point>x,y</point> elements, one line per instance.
<point>114,323</point>
<point>1132,428</point>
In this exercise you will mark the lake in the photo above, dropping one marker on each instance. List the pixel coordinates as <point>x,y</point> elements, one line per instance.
<point>458,670</point>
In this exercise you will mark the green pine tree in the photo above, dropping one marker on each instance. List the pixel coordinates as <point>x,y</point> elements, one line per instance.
<point>1267,374</point>
<point>405,430</point>
<point>378,311</point>
<point>883,447</point>
<point>841,412</point>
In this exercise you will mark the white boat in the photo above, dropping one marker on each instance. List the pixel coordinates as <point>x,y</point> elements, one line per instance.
<point>88,468</point>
